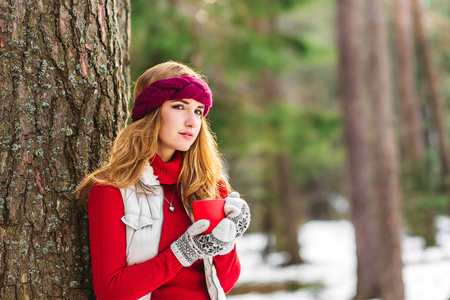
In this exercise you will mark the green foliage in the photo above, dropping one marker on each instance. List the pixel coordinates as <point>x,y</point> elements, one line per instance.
<point>267,8</point>
<point>159,33</point>
<point>423,190</point>
<point>254,51</point>
<point>424,198</point>
<point>311,137</point>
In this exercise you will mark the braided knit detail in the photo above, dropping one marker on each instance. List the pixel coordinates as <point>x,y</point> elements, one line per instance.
<point>184,87</point>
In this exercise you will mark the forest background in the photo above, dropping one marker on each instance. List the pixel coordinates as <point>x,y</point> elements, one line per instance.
<point>323,110</point>
<point>273,68</point>
<point>276,69</point>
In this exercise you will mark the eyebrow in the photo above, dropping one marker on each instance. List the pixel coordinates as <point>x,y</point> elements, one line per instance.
<point>185,102</point>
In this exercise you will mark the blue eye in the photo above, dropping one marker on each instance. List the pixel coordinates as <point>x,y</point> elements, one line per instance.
<point>178,106</point>
<point>199,112</point>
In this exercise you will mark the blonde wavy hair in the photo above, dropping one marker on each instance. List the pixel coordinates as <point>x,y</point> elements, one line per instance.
<point>201,171</point>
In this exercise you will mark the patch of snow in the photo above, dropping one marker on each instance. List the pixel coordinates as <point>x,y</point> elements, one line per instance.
<point>328,247</point>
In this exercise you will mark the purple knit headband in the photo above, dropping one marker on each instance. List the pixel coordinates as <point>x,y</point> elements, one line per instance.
<point>184,87</point>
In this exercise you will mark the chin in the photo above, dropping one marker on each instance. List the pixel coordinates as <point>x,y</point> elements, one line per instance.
<point>184,148</point>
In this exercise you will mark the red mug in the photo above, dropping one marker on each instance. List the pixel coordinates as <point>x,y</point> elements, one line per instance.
<point>211,210</point>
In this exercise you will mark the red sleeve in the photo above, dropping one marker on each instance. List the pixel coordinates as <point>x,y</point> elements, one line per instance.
<point>112,278</point>
<point>228,266</point>
<point>228,269</point>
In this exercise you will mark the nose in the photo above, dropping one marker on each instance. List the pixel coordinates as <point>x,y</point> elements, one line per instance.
<point>192,120</point>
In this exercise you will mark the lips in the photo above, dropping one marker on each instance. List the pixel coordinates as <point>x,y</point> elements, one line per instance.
<point>187,135</point>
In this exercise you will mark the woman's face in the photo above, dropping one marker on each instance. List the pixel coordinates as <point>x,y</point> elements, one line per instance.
<point>181,123</point>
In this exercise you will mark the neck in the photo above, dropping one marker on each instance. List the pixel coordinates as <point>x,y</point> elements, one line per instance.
<point>169,172</point>
<point>166,155</point>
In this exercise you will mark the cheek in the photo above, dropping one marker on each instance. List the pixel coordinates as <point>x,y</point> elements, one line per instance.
<point>165,131</point>
<point>199,127</point>
<point>168,122</point>
<point>167,117</point>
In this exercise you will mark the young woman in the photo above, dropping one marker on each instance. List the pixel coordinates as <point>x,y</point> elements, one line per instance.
<point>144,244</point>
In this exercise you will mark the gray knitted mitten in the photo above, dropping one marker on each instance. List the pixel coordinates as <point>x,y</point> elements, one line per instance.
<point>192,246</point>
<point>237,210</point>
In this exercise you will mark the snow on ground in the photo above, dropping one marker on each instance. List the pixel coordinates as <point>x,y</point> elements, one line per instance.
<point>328,247</point>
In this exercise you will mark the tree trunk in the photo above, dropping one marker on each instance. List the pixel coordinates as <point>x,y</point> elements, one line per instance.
<point>412,129</point>
<point>64,86</point>
<point>386,167</point>
<point>285,184</point>
<point>412,121</point>
<point>434,91</point>
<point>290,217</point>
<point>356,141</point>
<point>271,91</point>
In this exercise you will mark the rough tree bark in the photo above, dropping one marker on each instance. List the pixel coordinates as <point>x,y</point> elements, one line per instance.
<point>386,173</point>
<point>64,84</point>
<point>363,213</point>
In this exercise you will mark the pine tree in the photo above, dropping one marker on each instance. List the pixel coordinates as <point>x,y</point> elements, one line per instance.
<point>64,87</point>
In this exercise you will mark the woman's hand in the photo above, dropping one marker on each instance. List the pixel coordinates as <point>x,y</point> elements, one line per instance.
<point>237,210</point>
<point>192,245</point>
